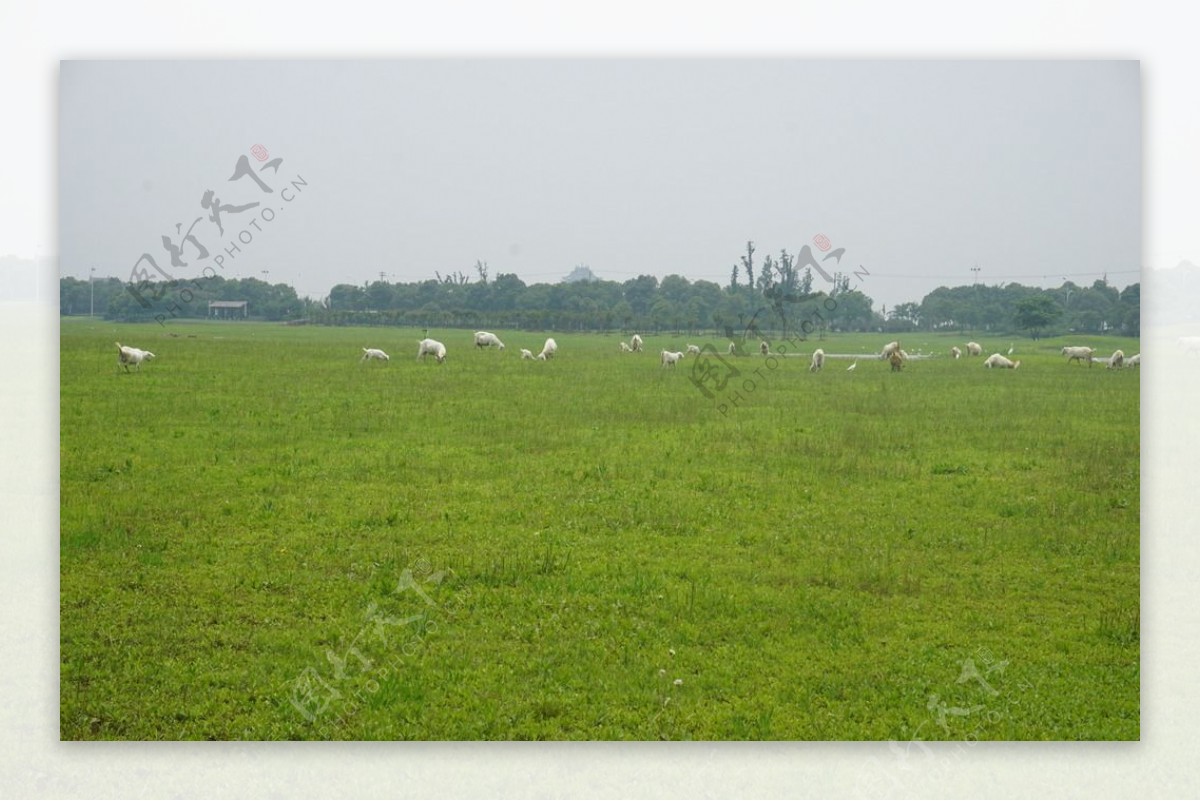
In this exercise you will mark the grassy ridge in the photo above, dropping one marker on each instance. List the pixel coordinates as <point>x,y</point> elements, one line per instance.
<point>262,538</point>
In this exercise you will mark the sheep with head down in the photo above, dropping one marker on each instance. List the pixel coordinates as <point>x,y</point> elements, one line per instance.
<point>997,360</point>
<point>374,353</point>
<point>431,347</point>
<point>818,361</point>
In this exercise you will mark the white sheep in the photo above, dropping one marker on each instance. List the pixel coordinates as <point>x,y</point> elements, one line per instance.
<point>1117,360</point>
<point>996,360</point>
<point>764,348</point>
<point>1134,361</point>
<point>485,339</point>
<point>818,360</point>
<point>431,347</point>
<point>374,353</point>
<point>693,350</point>
<point>625,347</point>
<point>526,353</point>
<point>135,356</point>
<point>670,358</point>
<point>548,350</point>
<point>732,348</point>
<point>955,352</point>
<point>635,342</point>
<point>974,349</point>
<point>1079,354</point>
<point>889,349</point>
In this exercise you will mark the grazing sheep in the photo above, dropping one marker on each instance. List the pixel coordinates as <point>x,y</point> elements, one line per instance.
<point>764,348</point>
<point>1079,354</point>
<point>135,356</point>
<point>431,347</point>
<point>974,349</point>
<point>1117,360</point>
<point>625,348</point>
<point>374,353</point>
<point>548,350</point>
<point>818,360</point>
<point>693,350</point>
<point>635,342</point>
<point>732,348</point>
<point>484,339</point>
<point>526,353</point>
<point>1134,361</point>
<point>996,360</point>
<point>669,358</point>
<point>897,361</point>
<point>889,349</point>
<point>955,352</point>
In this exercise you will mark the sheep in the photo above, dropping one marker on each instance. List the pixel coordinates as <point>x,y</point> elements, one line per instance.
<point>732,348</point>
<point>1117,360</point>
<point>1078,354</point>
<point>693,350</point>
<point>635,342</point>
<point>625,348</point>
<point>974,349</point>
<point>548,350</point>
<point>135,356</point>
<point>897,360</point>
<point>526,353</point>
<point>432,347</point>
<point>764,348</point>
<point>1134,361</point>
<point>996,360</point>
<point>484,339</point>
<point>669,358</point>
<point>889,349</point>
<point>955,352</point>
<point>818,360</point>
<point>374,353</point>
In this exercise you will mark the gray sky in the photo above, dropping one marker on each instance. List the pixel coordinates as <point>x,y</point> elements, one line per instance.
<point>920,170</point>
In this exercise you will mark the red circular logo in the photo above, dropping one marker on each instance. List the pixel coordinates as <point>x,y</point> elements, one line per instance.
<point>822,241</point>
<point>259,152</point>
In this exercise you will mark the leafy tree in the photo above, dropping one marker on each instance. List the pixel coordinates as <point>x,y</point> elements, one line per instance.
<point>1036,313</point>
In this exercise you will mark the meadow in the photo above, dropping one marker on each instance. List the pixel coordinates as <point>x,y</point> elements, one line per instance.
<point>263,538</point>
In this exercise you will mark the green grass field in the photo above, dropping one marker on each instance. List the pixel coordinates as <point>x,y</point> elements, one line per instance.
<point>262,538</point>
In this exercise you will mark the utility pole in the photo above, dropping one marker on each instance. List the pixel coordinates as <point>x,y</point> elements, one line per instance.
<point>975,270</point>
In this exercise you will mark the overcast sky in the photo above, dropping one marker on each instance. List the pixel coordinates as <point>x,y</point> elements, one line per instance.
<point>1030,170</point>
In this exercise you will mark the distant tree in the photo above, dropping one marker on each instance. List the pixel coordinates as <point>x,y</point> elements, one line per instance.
<point>581,273</point>
<point>733,278</point>
<point>1036,313</point>
<point>748,264</point>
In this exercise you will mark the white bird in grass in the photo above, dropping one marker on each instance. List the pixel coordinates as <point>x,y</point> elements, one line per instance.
<point>851,367</point>
<point>1010,349</point>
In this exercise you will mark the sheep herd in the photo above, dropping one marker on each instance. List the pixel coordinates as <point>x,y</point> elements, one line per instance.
<point>891,352</point>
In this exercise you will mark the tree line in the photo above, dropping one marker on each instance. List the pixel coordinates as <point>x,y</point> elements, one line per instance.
<point>773,295</point>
